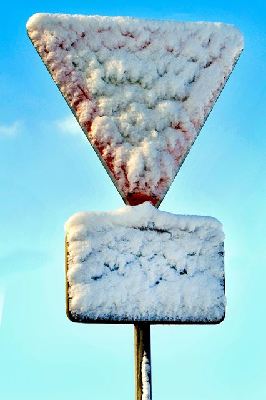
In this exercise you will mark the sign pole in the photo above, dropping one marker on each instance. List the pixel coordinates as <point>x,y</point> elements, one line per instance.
<point>143,388</point>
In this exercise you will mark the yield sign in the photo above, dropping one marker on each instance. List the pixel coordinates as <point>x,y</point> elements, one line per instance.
<point>141,90</point>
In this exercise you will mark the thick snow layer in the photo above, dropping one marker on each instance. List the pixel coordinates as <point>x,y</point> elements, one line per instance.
<point>141,264</point>
<point>140,89</point>
<point>145,374</point>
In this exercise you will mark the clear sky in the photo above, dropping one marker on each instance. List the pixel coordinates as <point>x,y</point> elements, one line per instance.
<point>48,172</point>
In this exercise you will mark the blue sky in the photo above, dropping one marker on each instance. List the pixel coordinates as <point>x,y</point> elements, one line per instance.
<point>48,172</point>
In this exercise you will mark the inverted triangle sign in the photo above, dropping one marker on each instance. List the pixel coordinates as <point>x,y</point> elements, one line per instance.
<point>140,89</point>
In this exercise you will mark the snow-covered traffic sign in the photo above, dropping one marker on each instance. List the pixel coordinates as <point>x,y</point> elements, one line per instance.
<point>141,264</point>
<point>140,89</point>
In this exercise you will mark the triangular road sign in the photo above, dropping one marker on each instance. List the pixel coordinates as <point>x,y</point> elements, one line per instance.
<point>140,89</point>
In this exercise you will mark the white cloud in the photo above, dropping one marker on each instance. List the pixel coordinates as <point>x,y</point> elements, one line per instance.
<point>2,299</point>
<point>68,125</point>
<point>10,130</point>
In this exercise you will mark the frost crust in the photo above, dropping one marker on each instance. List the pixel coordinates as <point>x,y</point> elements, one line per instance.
<point>140,89</point>
<point>142,264</point>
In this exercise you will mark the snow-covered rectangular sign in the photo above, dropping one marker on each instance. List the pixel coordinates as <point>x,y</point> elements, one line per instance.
<point>141,264</point>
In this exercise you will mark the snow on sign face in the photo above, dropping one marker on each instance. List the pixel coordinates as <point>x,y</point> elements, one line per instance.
<point>140,89</point>
<point>141,264</point>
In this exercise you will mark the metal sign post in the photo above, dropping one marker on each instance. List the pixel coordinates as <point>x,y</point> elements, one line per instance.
<point>142,361</point>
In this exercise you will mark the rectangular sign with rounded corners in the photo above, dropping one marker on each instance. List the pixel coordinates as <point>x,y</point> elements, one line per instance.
<point>141,264</point>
